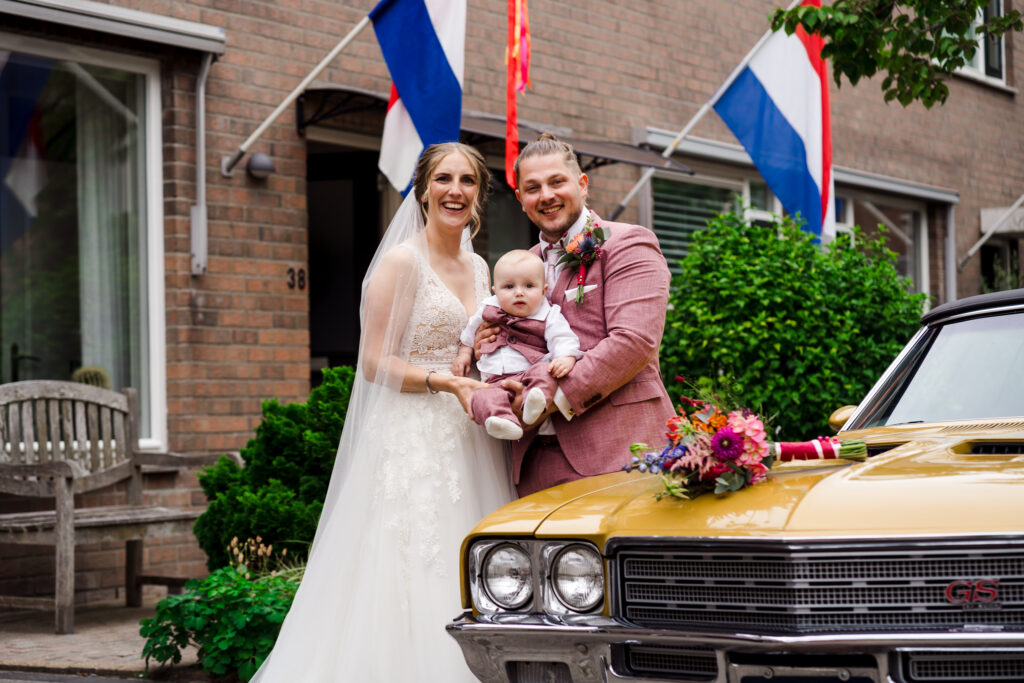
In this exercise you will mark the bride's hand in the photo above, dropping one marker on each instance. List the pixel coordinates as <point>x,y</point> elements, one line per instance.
<point>463,388</point>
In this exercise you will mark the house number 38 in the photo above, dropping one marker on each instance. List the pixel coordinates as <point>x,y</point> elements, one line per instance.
<point>296,278</point>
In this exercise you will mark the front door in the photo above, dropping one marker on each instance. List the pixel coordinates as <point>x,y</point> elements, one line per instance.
<point>344,220</point>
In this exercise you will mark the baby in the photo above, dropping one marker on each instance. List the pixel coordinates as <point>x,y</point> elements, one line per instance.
<point>534,346</point>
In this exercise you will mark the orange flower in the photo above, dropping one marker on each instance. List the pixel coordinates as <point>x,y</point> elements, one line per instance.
<point>717,421</point>
<point>701,425</point>
<point>575,242</point>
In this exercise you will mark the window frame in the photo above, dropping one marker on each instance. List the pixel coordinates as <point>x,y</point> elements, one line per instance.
<point>152,138</point>
<point>921,277</point>
<point>980,73</point>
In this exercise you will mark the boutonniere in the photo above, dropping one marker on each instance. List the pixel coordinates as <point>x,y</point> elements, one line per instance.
<point>582,250</point>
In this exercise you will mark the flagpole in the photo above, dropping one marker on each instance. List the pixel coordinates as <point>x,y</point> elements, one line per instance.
<point>705,108</point>
<point>227,164</point>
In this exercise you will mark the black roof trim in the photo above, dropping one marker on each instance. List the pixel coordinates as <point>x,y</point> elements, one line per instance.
<point>981,302</point>
<point>482,127</point>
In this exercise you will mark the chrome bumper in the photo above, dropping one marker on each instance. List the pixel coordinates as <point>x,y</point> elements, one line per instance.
<point>588,649</point>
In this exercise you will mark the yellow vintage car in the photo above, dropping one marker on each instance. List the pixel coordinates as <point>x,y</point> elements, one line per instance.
<point>907,567</point>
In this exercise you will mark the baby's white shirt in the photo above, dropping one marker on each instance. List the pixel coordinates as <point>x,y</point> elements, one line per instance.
<point>561,340</point>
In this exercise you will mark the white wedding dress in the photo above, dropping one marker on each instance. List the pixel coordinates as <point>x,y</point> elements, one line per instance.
<point>383,575</point>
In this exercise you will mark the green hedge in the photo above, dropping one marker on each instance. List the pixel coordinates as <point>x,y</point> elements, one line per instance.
<point>794,329</point>
<point>279,493</point>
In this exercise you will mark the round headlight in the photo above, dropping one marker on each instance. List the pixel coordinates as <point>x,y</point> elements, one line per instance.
<point>508,576</point>
<point>578,577</point>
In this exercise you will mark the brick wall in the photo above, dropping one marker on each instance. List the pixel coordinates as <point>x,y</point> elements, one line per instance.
<point>602,68</point>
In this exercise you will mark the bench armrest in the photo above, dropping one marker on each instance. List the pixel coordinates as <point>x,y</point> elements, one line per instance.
<point>169,459</point>
<point>39,480</point>
<point>60,468</point>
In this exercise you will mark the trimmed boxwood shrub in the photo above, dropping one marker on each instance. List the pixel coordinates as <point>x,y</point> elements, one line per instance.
<point>794,329</point>
<point>278,495</point>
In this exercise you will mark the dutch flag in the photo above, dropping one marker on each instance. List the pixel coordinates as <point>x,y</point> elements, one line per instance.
<point>423,42</point>
<point>778,108</point>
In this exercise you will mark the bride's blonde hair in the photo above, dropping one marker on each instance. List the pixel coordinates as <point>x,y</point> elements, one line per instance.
<point>429,160</point>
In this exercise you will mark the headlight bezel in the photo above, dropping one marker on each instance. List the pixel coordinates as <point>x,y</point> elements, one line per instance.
<point>542,553</point>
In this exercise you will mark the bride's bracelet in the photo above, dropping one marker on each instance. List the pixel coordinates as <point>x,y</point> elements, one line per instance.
<point>427,382</point>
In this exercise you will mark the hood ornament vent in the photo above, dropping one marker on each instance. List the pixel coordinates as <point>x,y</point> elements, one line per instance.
<point>997,448</point>
<point>985,427</point>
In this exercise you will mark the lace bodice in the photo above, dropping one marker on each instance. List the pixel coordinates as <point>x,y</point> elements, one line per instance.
<point>431,337</point>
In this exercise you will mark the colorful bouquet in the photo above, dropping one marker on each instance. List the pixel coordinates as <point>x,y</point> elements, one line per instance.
<point>710,449</point>
<point>582,250</point>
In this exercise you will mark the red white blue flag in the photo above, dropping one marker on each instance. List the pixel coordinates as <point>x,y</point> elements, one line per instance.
<point>22,160</point>
<point>778,107</point>
<point>423,42</point>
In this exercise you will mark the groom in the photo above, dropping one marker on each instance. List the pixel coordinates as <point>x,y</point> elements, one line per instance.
<point>614,395</point>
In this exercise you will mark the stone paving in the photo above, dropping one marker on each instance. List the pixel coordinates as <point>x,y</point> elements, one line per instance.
<point>30,677</point>
<point>106,642</point>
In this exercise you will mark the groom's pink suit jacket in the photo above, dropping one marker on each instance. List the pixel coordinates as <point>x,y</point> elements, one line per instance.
<point>615,390</point>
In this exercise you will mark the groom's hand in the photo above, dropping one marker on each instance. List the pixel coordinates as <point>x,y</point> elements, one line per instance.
<point>485,334</point>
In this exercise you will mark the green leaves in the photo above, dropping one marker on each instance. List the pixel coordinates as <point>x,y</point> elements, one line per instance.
<point>799,331</point>
<point>230,616</point>
<point>918,44</point>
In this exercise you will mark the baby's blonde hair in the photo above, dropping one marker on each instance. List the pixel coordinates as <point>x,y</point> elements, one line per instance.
<point>518,257</point>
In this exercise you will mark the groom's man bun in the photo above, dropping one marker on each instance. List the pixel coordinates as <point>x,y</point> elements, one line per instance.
<point>548,144</point>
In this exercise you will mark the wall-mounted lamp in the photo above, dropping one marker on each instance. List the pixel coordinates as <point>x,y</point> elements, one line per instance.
<point>260,165</point>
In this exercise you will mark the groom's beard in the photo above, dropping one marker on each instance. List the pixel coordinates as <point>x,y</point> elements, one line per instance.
<point>555,234</point>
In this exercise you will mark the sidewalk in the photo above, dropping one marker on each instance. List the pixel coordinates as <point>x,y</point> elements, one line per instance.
<point>106,642</point>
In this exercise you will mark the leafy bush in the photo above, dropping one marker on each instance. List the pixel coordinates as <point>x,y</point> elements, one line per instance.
<point>796,330</point>
<point>231,616</point>
<point>279,494</point>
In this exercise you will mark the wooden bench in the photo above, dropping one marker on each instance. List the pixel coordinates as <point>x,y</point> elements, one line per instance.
<point>58,439</point>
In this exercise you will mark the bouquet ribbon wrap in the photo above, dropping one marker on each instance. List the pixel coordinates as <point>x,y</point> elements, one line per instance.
<point>822,448</point>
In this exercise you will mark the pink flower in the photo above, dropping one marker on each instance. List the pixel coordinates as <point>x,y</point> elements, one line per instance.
<point>757,473</point>
<point>751,427</point>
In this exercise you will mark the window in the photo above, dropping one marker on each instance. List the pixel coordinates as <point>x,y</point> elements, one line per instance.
<point>683,208</point>
<point>1000,265</point>
<point>81,257</point>
<point>903,224</point>
<point>987,62</point>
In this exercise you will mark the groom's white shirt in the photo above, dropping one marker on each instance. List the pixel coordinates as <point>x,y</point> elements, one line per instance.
<point>552,270</point>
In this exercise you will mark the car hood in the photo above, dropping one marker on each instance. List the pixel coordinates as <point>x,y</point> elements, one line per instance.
<point>928,485</point>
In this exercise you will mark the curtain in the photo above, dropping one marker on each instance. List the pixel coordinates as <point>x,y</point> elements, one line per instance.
<point>110,170</point>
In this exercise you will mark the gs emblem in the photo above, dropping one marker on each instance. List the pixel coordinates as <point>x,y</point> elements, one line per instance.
<point>974,594</point>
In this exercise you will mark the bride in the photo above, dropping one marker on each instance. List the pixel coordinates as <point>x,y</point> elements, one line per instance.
<point>413,475</point>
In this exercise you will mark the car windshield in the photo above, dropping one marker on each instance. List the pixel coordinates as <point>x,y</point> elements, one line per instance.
<point>969,369</point>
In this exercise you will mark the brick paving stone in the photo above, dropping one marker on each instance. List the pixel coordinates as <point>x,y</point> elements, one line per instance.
<point>29,677</point>
<point>106,642</point>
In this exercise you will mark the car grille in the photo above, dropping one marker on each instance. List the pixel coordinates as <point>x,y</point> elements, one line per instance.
<point>797,588</point>
<point>973,666</point>
<point>665,662</point>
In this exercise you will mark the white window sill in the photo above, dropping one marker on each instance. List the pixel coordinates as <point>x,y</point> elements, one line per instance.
<point>977,77</point>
